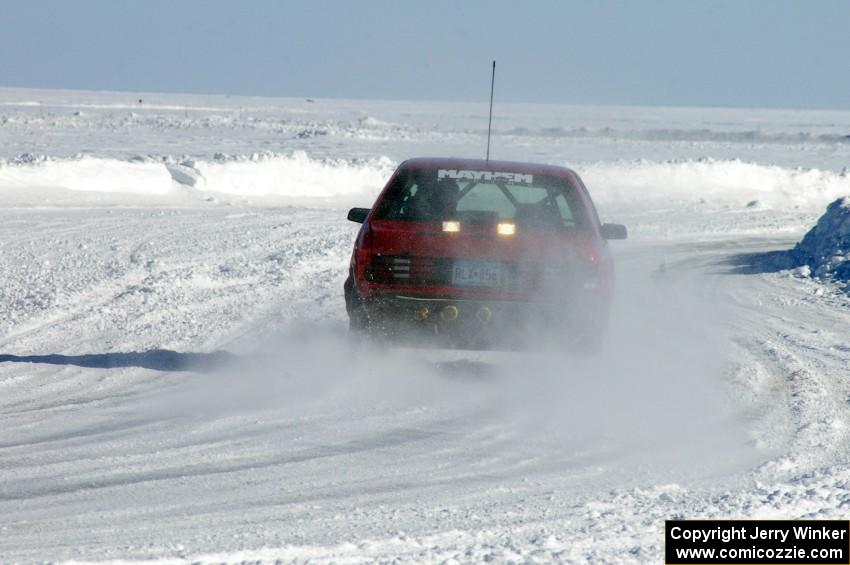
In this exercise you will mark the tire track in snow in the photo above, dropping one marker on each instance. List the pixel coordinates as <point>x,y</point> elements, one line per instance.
<point>121,457</point>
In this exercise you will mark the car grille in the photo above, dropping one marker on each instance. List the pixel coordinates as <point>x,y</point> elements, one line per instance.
<point>411,270</point>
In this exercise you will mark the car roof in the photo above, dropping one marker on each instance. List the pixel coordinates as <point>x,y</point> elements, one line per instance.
<point>485,165</point>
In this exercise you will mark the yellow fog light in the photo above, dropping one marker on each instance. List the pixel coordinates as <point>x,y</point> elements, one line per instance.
<point>423,313</point>
<point>484,314</point>
<point>505,228</point>
<point>449,312</point>
<point>451,226</point>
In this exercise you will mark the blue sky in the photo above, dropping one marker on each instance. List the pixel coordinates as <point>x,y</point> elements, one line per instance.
<point>756,53</point>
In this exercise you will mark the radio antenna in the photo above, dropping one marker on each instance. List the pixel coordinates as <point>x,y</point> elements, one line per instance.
<point>490,121</point>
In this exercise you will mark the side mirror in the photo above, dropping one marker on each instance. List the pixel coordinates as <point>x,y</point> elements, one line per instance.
<point>358,215</point>
<point>614,231</point>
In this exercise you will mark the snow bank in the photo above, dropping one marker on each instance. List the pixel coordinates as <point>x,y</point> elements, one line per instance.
<point>295,176</point>
<point>86,174</point>
<point>270,178</point>
<point>731,182</point>
<point>259,178</point>
<point>825,249</point>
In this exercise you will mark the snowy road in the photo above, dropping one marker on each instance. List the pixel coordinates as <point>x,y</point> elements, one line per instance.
<point>125,433</point>
<point>176,385</point>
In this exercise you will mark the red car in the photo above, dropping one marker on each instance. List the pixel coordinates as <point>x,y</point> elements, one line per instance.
<point>479,254</point>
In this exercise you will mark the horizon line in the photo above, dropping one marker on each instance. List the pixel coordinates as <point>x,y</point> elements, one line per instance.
<point>413,100</point>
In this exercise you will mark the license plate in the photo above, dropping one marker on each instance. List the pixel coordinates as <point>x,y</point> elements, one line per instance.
<point>477,273</point>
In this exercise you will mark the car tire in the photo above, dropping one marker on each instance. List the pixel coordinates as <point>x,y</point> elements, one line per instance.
<point>590,339</point>
<point>360,326</point>
<point>358,321</point>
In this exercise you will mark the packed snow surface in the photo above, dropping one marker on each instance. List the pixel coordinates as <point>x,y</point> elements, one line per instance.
<point>176,385</point>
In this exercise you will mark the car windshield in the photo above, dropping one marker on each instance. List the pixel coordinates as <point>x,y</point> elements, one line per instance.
<point>435,195</point>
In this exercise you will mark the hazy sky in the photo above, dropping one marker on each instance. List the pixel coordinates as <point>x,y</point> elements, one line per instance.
<point>740,53</point>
